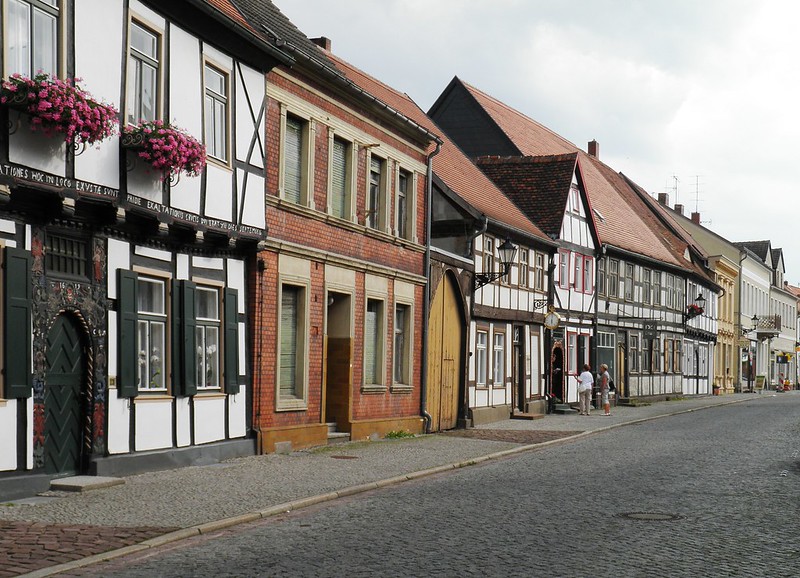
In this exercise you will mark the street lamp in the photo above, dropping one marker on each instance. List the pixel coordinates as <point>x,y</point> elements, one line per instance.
<point>508,251</point>
<point>695,309</point>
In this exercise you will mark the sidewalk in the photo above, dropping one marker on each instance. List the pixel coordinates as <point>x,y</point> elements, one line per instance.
<point>59,531</point>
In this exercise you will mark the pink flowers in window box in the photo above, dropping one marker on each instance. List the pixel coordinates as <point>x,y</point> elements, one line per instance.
<point>60,106</point>
<point>167,148</point>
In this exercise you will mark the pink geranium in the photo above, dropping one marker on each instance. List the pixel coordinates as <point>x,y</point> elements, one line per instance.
<point>166,147</point>
<point>60,106</point>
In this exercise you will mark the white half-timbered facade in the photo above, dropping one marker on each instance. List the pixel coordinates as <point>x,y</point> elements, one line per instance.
<point>506,353</point>
<point>125,282</point>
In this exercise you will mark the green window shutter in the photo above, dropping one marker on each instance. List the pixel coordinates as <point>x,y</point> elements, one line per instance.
<point>176,349</point>
<point>339,179</point>
<point>128,356</point>
<point>288,355</point>
<point>17,328</point>
<point>293,155</point>
<point>189,337</point>
<point>231,342</point>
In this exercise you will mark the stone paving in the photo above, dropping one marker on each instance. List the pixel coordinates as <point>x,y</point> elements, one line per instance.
<point>73,529</point>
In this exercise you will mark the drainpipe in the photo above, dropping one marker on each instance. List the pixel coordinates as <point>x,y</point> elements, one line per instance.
<point>427,299</point>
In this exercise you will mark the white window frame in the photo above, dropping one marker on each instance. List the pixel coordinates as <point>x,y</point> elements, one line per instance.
<point>217,100</point>
<point>133,98</point>
<point>410,203</point>
<point>375,217</point>
<point>33,58</point>
<point>209,354</point>
<point>379,383</point>
<point>150,354</point>
<point>481,357</point>
<point>498,359</point>
<point>405,382</point>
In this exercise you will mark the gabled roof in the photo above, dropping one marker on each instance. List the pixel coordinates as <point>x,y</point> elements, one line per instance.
<point>451,165</point>
<point>539,186</point>
<point>762,249</point>
<point>777,258</point>
<point>627,222</point>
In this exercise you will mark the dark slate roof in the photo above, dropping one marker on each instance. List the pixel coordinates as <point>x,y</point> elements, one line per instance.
<point>762,249</point>
<point>451,165</point>
<point>539,186</point>
<point>270,21</point>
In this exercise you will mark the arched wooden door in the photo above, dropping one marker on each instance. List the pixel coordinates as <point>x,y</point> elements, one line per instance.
<point>63,403</point>
<point>445,358</point>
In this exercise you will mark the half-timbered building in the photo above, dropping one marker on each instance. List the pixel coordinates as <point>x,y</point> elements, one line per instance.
<point>549,189</point>
<point>125,262</point>
<point>642,267</point>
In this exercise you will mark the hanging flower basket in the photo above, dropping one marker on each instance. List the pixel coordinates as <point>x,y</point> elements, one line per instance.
<point>60,106</point>
<point>167,148</point>
<point>693,310</point>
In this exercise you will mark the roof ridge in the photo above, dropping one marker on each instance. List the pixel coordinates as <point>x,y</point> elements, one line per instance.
<point>510,109</point>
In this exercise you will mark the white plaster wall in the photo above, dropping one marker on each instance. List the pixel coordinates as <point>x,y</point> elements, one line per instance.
<point>251,200</point>
<point>183,423</point>
<point>144,181</point>
<point>119,421</point>
<point>185,194</point>
<point>182,266</point>
<point>153,424</point>
<point>235,280</point>
<point>209,419</point>
<point>186,107</point>
<point>29,433</point>
<point>119,257</point>
<point>33,149</point>
<point>241,334</point>
<point>143,12</point>
<point>237,414</point>
<point>97,62</point>
<point>219,188</point>
<point>254,83</point>
<point>8,435</point>
<point>186,82</point>
<point>113,368</point>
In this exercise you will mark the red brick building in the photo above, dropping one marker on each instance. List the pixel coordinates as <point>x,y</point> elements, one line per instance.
<point>339,285</point>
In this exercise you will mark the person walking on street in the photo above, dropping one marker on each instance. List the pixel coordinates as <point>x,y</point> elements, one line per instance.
<point>604,383</point>
<point>585,385</point>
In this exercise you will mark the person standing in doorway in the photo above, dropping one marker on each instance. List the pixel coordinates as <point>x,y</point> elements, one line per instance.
<point>585,385</point>
<point>604,383</point>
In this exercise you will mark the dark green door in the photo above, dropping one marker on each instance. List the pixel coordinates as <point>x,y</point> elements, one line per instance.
<point>62,399</point>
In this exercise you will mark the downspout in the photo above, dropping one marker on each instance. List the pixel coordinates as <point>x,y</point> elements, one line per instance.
<point>426,417</point>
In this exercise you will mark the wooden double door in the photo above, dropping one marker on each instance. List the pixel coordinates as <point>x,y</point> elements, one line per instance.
<point>445,356</point>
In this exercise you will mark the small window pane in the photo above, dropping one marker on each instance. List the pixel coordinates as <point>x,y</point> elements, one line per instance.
<point>151,296</point>
<point>339,179</point>
<point>292,155</point>
<point>19,42</point>
<point>45,35</point>
<point>207,304</point>
<point>144,41</point>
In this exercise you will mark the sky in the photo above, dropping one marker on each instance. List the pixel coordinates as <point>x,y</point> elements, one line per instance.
<point>694,98</point>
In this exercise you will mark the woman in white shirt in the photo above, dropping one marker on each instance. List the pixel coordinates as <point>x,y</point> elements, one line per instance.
<point>585,384</point>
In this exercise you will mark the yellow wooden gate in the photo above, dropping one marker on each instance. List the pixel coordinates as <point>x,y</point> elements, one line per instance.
<point>445,332</point>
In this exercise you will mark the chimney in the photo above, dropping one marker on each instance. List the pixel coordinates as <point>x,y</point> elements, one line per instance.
<point>594,149</point>
<point>696,218</point>
<point>663,199</point>
<point>322,42</point>
<point>679,209</point>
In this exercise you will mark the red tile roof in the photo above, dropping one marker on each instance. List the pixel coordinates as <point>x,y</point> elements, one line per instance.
<point>451,164</point>
<point>624,220</point>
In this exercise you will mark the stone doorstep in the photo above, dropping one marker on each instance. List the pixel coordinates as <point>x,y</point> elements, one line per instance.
<point>84,483</point>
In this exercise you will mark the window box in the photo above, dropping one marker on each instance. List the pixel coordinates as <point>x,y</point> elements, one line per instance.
<point>60,106</point>
<point>168,149</point>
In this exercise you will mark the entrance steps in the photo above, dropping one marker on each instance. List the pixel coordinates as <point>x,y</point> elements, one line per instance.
<point>336,437</point>
<point>524,415</point>
<point>84,483</point>
<point>564,408</point>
